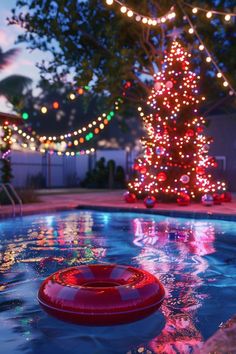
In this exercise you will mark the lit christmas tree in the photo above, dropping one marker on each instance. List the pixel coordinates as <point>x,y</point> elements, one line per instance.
<point>175,158</point>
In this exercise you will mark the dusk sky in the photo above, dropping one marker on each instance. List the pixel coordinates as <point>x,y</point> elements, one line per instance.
<point>24,63</point>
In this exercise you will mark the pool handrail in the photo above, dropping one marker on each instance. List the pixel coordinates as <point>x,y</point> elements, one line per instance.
<point>8,188</point>
<point>12,189</point>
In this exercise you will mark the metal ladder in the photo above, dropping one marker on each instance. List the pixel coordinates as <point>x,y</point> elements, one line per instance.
<point>11,193</point>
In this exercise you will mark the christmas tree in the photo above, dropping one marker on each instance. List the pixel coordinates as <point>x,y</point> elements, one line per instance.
<point>175,159</point>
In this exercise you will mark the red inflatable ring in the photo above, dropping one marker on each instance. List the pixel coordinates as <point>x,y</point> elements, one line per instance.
<point>101,294</point>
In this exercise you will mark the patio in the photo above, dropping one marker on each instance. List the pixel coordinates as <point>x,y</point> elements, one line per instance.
<point>62,199</point>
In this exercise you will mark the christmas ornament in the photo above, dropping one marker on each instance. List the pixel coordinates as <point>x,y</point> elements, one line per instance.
<point>200,170</point>
<point>160,150</point>
<point>183,199</point>
<point>161,177</point>
<point>199,129</point>
<point>150,201</point>
<point>157,86</point>
<point>226,197</point>
<point>129,197</point>
<point>184,179</point>
<point>143,170</point>
<point>136,167</point>
<point>207,200</point>
<point>190,132</point>
<point>216,199</point>
<point>205,148</point>
<point>169,84</point>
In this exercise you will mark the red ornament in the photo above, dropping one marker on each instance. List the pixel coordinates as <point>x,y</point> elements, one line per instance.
<point>169,84</point>
<point>199,129</point>
<point>157,86</point>
<point>190,132</point>
<point>216,199</point>
<point>226,197</point>
<point>129,197</point>
<point>150,201</point>
<point>161,177</point>
<point>183,199</point>
<point>143,170</point>
<point>200,170</point>
<point>136,167</point>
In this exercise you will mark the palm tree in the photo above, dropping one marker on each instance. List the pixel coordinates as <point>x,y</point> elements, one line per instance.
<point>13,87</point>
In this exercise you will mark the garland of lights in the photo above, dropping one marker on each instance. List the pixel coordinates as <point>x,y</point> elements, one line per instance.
<point>76,137</point>
<point>151,21</point>
<point>58,143</point>
<point>56,105</point>
<point>209,13</point>
<point>51,149</point>
<point>209,57</point>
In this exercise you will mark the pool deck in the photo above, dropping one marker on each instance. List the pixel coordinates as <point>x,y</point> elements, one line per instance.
<point>64,199</point>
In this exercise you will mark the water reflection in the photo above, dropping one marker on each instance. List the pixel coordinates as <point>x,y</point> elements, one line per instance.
<point>185,254</point>
<point>180,269</point>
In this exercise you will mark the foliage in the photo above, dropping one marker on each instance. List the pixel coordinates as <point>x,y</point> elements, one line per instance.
<point>36,181</point>
<point>105,176</point>
<point>92,42</point>
<point>6,171</point>
<point>13,87</point>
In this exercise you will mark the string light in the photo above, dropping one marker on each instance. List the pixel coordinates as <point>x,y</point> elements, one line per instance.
<point>64,141</point>
<point>227,18</point>
<point>210,12</point>
<point>209,57</point>
<point>151,21</point>
<point>25,115</point>
<point>72,96</point>
<point>44,110</point>
<point>55,105</point>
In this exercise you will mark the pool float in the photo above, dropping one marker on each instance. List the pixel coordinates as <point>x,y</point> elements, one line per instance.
<point>99,294</point>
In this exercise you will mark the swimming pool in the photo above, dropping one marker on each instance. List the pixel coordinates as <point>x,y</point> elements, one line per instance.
<point>195,260</point>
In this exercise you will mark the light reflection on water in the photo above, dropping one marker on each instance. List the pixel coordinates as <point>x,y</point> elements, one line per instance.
<point>194,259</point>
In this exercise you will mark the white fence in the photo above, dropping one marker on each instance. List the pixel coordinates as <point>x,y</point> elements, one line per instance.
<point>62,171</point>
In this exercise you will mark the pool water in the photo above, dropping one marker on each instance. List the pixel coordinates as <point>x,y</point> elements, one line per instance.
<point>194,259</point>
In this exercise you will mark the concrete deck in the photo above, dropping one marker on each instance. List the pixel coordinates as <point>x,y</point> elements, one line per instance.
<point>55,200</point>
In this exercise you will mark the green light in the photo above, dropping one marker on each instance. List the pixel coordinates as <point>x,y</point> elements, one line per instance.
<point>25,115</point>
<point>91,135</point>
<point>87,87</point>
<point>108,117</point>
<point>87,137</point>
<point>112,114</point>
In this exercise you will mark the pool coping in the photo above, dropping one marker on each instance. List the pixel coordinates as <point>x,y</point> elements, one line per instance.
<point>171,213</point>
<point>118,209</point>
<point>113,201</point>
